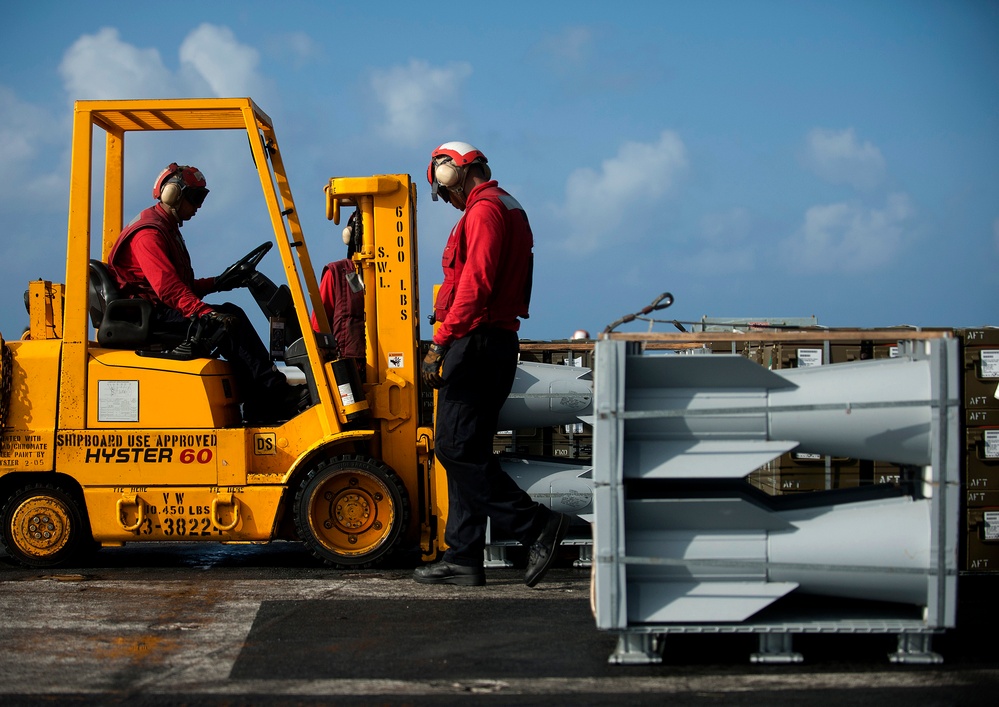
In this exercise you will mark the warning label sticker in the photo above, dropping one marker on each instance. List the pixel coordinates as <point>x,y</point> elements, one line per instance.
<point>990,363</point>
<point>992,444</point>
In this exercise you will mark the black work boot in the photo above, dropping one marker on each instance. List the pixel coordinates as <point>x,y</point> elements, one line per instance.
<point>448,573</point>
<point>542,550</point>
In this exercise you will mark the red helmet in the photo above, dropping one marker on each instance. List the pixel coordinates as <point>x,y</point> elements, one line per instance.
<point>461,153</point>
<point>176,182</point>
<point>446,169</point>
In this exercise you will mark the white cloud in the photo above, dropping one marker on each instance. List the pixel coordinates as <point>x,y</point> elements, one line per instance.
<point>639,175</point>
<point>419,101</point>
<point>837,157</point>
<point>101,66</point>
<point>212,62</point>
<point>228,67</point>
<point>849,236</point>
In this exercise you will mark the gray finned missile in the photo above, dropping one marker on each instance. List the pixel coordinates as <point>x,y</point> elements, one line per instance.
<point>724,415</point>
<point>563,487</point>
<point>728,558</point>
<point>547,394</point>
<point>879,409</point>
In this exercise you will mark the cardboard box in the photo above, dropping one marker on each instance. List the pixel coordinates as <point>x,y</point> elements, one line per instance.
<point>981,377</point>
<point>981,459</point>
<point>981,552</point>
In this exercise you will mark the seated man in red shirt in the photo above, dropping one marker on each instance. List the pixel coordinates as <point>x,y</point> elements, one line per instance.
<point>150,260</point>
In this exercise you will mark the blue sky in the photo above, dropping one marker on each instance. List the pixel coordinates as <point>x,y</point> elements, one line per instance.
<point>756,159</point>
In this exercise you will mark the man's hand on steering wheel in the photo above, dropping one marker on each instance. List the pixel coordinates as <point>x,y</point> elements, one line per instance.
<point>238,274</point>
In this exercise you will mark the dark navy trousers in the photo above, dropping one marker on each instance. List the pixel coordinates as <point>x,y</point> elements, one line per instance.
<point>479,370</point>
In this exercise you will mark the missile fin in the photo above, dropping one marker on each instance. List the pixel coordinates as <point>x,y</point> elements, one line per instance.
<point>726,371</point>
<point>724,602</point>
<point>699,459</point>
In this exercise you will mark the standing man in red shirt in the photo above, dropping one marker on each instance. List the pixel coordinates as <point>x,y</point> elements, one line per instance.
<point>150,261</point>
<point>488,268</point>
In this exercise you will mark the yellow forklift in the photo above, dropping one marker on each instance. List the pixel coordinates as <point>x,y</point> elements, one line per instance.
<point>108,438</point>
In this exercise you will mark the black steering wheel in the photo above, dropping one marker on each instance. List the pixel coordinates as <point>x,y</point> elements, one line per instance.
<point>238,274</point>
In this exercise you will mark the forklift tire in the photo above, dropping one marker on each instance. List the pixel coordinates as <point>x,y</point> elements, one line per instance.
<point>43,526</point>
<point>351,511</point>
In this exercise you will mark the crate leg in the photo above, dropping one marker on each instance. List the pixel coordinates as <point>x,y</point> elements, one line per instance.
<point>914,649</point>
<point>495,555</point>
<point>637,649</point>
<point>775,648</point>
<point>585,559</point>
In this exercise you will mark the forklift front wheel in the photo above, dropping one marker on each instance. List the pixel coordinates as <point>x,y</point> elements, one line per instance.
<point>351,511</point>
<point>43,526</point>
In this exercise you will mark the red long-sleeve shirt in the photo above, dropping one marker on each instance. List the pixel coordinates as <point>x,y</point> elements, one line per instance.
<point>150,260</point>
<point>488,266</point>
<point>344,308</point>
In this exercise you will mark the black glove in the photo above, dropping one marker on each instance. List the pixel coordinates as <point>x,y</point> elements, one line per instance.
<point>230,279</point>
<point>432,366</point>
<point>216,321</point>
<point>206,334</point>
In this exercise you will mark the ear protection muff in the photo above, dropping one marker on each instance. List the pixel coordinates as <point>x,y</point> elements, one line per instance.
<point>168,186</point>
<point>171,192</point>
<point>353,234</point>
<point>448,174</point>
<point>449,166</point>
<point>175,182</point>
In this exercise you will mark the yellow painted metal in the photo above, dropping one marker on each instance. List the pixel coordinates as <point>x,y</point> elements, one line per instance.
<point>276,474</point>
<point>73,373</point>
<point>435,481</point>
<point>6,375</point>
<point>27,442</point>
<point>196,393</point>
<point>45,304</point>
<point>182,513</point>
<point>127,501</point>
<point>225,499</point>
<point>387,264</point>
<point>134,457</point>
<point>114,190</point>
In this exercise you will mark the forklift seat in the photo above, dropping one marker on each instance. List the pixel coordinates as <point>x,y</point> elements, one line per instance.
<point>122,322</point>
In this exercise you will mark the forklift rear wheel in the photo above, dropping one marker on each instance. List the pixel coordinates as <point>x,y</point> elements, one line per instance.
<point>351,511</point>
<point>43,526</point>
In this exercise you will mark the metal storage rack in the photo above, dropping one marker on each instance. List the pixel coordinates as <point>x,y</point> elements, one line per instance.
<point>689,548</point>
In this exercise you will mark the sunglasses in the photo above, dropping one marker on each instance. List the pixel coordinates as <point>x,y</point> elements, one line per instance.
<point>195,196</point>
